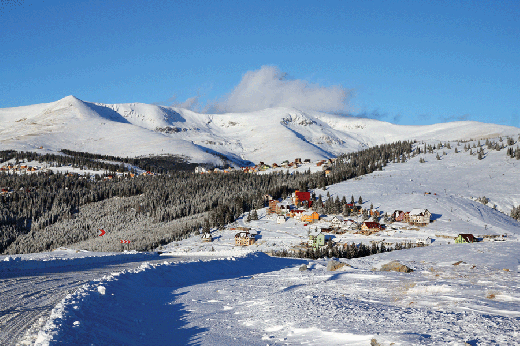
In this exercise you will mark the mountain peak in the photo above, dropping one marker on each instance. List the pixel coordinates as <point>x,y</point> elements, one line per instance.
<point>70,98</point>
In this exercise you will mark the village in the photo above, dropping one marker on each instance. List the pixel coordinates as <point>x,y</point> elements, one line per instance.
<point>355,225</point>
<point>69,170</point>
<point>262,167</point>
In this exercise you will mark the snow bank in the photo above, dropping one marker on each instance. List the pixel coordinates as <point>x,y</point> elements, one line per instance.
<point>66,258</point>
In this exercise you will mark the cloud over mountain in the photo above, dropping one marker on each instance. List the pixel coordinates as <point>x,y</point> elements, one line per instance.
<point>269,87</point>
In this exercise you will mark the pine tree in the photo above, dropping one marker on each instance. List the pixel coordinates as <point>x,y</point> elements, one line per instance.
<point>360,200</point>
<point>206,228</point>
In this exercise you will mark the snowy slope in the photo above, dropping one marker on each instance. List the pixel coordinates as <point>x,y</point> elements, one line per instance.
<point>73,124</point>
<point>448,188</point>
<point>270,135</point>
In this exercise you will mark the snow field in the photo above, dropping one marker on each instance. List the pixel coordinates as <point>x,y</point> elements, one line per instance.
<point>139,306</point>
<point>456,294</point>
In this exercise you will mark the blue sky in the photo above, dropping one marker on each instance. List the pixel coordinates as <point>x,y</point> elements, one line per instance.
<point>407,62</point>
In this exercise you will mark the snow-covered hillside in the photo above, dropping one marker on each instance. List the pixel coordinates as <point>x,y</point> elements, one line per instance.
<point>270,135</point>
<point>448,187</point>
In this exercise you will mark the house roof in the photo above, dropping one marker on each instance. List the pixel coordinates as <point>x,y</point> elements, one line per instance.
<point>372,224</point>
<point>419,212</point>
<point>308,213</point>
<point>303,196</point>
<point>244,234</point>
<point>467,237</point>
<point>314,232</point>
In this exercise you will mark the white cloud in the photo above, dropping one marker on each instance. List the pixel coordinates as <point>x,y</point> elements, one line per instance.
<point>269,87</point>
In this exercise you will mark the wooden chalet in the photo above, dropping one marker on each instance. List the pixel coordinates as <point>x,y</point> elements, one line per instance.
<point>403,217</point>
<point>465,238</point>
<point>273,203</point>
<point>371,226</point>
<point>337,221</point>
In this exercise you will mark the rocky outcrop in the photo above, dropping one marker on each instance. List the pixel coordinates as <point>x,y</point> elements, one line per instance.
<point>395,266</point>
<point>335,265</point>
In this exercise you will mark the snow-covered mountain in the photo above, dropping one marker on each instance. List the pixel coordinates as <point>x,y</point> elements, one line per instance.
<point>270,135</point>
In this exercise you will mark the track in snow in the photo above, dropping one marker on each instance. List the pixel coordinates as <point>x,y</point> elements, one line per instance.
<point>27,299</point>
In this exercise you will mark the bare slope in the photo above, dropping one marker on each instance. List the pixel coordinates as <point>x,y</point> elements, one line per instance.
<point>270,135</point>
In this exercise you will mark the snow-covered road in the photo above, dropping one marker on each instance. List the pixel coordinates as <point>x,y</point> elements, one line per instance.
<point>27,296</point>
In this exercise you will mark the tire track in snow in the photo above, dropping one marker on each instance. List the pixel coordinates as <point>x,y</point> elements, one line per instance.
<point>26,301</point>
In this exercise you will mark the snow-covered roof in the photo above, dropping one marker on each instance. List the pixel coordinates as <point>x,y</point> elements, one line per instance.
<point>418,211</point>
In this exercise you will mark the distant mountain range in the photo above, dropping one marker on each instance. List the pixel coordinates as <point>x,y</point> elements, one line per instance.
<point>271,135</point>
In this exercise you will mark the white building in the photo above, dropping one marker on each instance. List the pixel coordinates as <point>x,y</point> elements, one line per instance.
<point>420,216</point>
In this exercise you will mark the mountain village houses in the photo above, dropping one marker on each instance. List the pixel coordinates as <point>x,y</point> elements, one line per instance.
<point>19,168</point>
<point>262,166</point>
<point>301,207</point>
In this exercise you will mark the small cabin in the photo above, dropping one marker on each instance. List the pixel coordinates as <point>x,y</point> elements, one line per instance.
<point>207,238</point>
<point>465,238</point>
<point>371,226</point>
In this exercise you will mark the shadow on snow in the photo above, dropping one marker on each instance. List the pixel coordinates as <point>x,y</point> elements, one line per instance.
<point>141,308</point>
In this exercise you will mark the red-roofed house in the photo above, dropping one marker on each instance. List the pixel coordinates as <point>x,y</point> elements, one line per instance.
<point>300,197</point>
<point>371,226</point>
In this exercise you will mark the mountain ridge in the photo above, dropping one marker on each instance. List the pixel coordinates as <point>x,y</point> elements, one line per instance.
<point>269,135</point>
